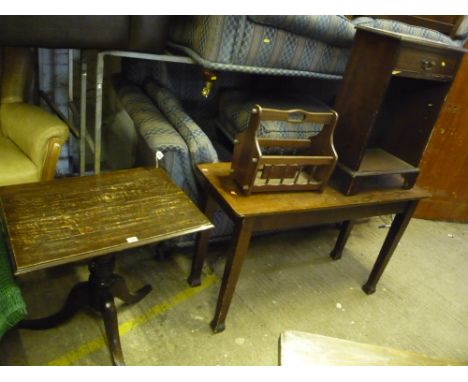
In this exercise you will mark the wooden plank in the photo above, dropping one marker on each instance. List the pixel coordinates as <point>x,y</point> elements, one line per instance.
<point>294,143</point>
<point>296,160</point>
<point>307,349</point>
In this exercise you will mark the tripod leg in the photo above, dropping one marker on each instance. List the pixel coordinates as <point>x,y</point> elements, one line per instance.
<point>120,290</point>
<point>78,297</point>
<point>109,315</point>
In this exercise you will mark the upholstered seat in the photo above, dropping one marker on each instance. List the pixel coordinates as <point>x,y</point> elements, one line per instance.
<point>30,137</point>
<point>15,167</point>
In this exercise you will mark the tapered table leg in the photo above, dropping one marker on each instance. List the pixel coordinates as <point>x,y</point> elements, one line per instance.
<point>201,245</point>
<point>343,236</point>
<point>399,224</point>
<point>236,255</point>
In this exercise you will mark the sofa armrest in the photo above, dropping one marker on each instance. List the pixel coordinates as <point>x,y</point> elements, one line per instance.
<point>200,147</point>
<point>159,135</point>
<point>31,129</point>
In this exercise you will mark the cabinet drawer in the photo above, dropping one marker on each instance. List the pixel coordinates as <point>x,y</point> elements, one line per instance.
<point>426,63</point>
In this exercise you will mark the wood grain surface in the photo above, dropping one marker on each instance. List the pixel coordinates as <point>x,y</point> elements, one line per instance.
<point>445,161</point>
<point>61,221</point>
<point>307,349</point>
<point>217,177</point>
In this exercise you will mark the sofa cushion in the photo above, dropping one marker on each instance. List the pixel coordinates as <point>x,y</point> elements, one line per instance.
<point>235,108</point>
<point>403,28</point>
<point>334,30</point>
<point>15,166</point>
<point>237,43</point>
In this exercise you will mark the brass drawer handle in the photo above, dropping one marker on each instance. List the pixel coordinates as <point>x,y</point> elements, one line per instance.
<point>427,64</point>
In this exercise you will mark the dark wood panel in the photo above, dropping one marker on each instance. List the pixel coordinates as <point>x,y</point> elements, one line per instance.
<point>293,220</point>
<point>407,117</point>
<point>65,220</point>
<point>364,84</point>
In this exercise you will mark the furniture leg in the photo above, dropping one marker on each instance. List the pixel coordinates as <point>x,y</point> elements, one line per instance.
<point>237,252</point>
<point>201,245</point>
<point>345,230</point>
<point>109,316</point>
<point>102,280</point>
<point>97,293</point>
<point>348,184</point>
<point>400,222</point>
<point>78,297</point>
<point>409,180</point>
<point>120,290</point>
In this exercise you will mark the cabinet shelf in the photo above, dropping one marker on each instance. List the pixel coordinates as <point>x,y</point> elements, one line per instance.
<point>377,161</point>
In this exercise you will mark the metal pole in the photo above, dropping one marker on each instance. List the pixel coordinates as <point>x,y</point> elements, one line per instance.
<point>70,78</point>
<point>83,89</point>
<point>99,85</point>
<point>98,117</point>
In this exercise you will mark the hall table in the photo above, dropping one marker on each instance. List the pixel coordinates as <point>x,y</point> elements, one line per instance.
<point>93,217</point>
<point>274,211</point>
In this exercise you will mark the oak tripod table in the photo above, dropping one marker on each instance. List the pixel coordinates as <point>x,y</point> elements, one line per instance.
<point>94,217</point>
<point>274,211</point>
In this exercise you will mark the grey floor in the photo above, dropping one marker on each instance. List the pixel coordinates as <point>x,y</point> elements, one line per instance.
<point>288,282</point>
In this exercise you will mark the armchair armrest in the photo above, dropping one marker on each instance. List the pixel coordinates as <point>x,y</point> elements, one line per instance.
<point>33,130</point>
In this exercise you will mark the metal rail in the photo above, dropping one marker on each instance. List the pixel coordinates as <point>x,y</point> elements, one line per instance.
<point>99,90</point>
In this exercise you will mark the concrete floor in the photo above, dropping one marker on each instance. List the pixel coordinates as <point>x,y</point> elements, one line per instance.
<point>288,282</point>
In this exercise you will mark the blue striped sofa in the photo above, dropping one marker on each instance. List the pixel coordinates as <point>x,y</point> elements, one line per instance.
<point>307,46</point>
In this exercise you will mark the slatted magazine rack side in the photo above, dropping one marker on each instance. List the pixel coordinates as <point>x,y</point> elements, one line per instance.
<point>255,172</point>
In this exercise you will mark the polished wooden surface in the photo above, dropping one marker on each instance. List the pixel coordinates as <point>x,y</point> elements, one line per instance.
<point>267,212</point>
<point>445,161</point>
<point>218,179</point>
<point>306,349</point>
<point>61,221</point>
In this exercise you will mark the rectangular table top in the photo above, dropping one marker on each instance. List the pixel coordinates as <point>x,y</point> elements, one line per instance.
<point>65,220</point>
<point>217,177</point>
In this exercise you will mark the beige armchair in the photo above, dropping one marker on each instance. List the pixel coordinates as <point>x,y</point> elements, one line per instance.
<point>30,137</point>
